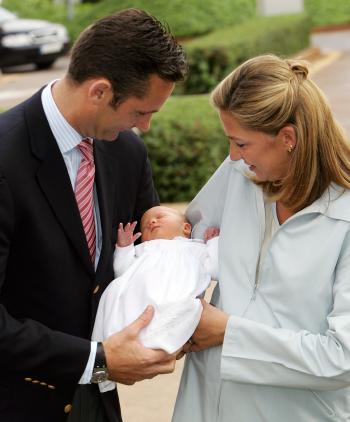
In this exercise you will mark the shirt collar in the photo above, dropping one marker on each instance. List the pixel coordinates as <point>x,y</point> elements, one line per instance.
<point>66,136</point>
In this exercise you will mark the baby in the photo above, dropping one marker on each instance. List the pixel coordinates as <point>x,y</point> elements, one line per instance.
<point>167,270</point>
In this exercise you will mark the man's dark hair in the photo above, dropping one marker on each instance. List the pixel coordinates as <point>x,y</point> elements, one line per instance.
<point>126,48</point>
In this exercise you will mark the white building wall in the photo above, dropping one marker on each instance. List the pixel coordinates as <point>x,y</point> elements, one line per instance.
<point>279,7</point>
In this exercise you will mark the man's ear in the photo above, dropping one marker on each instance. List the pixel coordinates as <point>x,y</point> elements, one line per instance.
<point>187,228</point>
<point>100,91</point>
<point>288,137</point>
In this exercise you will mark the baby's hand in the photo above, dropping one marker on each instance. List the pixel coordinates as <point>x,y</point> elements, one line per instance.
<point>210,233</point>
<point>126,234</point>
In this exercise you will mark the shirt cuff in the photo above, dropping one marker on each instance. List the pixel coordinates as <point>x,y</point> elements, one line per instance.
<point>124,250</point>
<point>87,374</point>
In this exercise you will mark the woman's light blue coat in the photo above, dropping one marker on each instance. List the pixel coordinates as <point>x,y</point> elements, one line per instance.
<point>286,352</point>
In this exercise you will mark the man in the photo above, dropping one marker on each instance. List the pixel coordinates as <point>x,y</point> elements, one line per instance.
<point>70,172</point>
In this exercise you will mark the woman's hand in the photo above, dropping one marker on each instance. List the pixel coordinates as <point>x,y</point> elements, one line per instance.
<point>210,331</point>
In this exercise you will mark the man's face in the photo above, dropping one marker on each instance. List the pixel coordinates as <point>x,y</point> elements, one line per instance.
<point>132,112</point>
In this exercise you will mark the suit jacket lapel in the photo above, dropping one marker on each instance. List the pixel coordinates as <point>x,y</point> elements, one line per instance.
<point>105,184</point>
<point>54,180</point>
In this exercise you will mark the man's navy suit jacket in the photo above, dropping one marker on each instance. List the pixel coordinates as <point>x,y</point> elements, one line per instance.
<point>49,290</point>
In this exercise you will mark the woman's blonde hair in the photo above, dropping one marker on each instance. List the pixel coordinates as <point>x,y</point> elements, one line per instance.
<point>267,93</point>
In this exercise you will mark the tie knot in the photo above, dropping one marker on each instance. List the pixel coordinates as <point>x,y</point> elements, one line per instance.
<point>86,149</point>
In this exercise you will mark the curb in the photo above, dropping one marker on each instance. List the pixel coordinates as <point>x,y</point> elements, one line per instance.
<point>331,28</point>
<point>318,59</point>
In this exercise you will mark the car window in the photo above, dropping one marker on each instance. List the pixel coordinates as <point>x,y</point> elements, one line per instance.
<point>6,15</point>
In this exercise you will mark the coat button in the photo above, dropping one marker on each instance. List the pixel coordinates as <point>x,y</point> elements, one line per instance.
<point>43,383</point>
<point>27,379</point>
<point>67,408</point>
<point>35,382</point>
<point>51,387</point>
<point>96,289</point>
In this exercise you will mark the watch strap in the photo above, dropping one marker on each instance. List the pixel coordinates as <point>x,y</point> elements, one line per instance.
<point>100,358</point>
<point>100,371</point>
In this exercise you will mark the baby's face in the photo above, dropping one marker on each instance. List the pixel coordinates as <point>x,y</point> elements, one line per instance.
<point>163,223</point>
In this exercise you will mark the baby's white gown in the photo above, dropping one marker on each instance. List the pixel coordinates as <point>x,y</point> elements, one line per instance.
<point>168,274</point>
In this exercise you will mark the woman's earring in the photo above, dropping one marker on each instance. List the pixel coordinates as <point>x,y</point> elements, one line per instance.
<point>290,148</point>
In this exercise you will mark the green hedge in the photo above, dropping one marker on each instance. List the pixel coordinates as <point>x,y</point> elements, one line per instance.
<point>328,12</point>
<point>186,144</point>
<point>37,9</point>
<point>213,56</point>
<point>185,18</point>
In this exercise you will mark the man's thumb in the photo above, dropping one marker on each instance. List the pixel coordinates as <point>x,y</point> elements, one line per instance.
<point>144,319</point>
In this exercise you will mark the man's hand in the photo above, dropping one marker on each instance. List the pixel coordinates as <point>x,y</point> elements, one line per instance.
<point>210,331</point>
<point>126,236</point>
<point>128,361</point>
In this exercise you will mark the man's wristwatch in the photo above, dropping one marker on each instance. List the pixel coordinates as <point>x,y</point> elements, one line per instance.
<point>100,371</point>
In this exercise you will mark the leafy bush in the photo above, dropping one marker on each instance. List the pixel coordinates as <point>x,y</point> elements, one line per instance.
<point>185,18</point>
<point>213,56</point>
<point>326,12</point>
<point>37,9</point>
<point>186,144</point>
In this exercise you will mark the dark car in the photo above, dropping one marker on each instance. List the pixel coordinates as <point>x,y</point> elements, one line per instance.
<point>25,41</point>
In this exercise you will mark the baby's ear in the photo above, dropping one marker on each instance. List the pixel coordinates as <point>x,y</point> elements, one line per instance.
<point>187,228</point>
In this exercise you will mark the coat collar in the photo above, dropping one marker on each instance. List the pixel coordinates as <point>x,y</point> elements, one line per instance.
<point>334,203</point>
<point>105,183</point>
<point>54,180</point>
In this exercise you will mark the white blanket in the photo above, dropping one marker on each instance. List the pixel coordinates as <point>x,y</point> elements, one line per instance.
<point>168,274</point>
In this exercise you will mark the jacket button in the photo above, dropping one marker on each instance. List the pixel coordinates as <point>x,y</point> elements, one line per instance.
<point>27,379</point>
<point>67,408</point>
<point>96,289</point>
<point>43,383</point>
<point>35,382</point>
<point>51,387</point>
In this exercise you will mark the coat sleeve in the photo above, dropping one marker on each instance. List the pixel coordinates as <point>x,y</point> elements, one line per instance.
<point>25,343</point>
<point>205,210</point>
<point>255,353</point>
<point>6,226</point>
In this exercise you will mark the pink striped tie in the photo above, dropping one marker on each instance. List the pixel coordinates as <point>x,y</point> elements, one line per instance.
<point>84,188</point>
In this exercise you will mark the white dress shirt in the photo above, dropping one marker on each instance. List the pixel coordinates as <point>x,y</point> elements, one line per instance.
<point>68,139</point>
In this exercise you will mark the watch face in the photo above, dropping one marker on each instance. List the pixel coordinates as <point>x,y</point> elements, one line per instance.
<point>99,375</point>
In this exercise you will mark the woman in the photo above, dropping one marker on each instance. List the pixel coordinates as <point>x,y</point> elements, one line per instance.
<point>276,344</point>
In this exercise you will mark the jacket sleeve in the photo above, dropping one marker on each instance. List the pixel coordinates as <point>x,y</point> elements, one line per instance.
<point>205,210</point>
<point>25,343</point>
<point>259,354</point>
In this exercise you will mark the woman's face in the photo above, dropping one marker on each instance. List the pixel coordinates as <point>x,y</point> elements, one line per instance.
<point>266,155</point>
